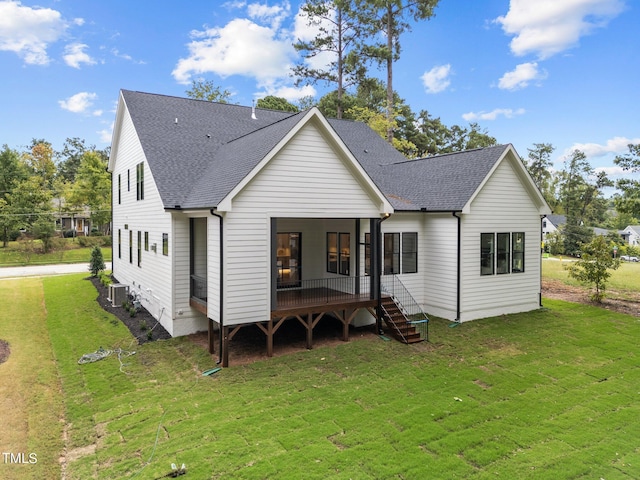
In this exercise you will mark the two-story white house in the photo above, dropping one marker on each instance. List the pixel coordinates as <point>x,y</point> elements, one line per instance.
<point>226,216</point>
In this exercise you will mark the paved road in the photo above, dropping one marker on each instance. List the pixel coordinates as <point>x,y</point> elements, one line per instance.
<point>43,270</point>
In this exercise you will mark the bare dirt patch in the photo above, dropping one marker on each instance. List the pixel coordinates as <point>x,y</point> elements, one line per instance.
<point>614,301</point>
<point>5,350</point>
<point>249,344</point>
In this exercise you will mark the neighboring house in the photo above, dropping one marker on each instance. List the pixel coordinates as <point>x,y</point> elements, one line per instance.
<point>631,234</point>
<point>226,216</point>
<point>79,222</point>
<point>552,224</point>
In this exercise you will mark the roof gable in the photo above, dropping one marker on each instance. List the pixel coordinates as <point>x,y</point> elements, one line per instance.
<point>272,139</point>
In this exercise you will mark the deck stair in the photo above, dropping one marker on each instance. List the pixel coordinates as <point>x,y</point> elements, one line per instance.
<point>399,324</point>
<point>406,320</point>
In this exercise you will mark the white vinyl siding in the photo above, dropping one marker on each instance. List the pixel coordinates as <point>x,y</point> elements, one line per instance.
<point>503,205</point>
<point>213,268</point>
<point>153,279</point>
<point>306,179</point>
<point>409,222</point>
<point>440,259</point>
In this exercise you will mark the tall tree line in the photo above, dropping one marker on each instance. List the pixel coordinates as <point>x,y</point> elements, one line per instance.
<point>38,182</point>
<point>578,192</point>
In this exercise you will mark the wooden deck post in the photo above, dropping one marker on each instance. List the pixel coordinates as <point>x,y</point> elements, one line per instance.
<point>211,339</point>
<point>309,325</point>
<point>225,346</point>
<point>270,338</point>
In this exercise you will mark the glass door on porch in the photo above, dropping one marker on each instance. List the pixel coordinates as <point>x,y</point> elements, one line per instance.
<point>289,259</point>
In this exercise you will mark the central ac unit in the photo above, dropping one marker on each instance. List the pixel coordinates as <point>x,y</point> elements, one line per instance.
<point>118,294</point>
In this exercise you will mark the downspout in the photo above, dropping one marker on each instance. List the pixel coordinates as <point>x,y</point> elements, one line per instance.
<point>458,268</point>
<point>213,212</point>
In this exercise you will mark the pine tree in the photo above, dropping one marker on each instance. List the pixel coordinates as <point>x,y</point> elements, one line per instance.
<point>97,262</point>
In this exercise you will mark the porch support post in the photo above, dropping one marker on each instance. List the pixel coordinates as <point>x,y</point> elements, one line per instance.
<point>376,265</point>
<point>274,263</point>
<point>212,342</point>
<point>345,326</point>
<point>225,346</point>
<point>357,275</point>
<point>270,338</point>
<point>309,331</point>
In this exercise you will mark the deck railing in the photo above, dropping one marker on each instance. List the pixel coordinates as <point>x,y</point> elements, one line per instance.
<point>323,291</point>
<point>199,287</point>
<point>393,286</point>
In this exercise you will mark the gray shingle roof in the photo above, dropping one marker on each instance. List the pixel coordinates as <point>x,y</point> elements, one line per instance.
<point>557,220</point>
<point>198,159</point>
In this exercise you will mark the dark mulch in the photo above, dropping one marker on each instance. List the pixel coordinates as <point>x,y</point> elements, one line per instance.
<point>5,351</point>
<point>143,326</point>
<point>249,344</point>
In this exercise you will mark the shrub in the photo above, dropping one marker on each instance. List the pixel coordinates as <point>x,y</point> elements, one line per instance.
<point>97,262</point>
<point>105,279</point>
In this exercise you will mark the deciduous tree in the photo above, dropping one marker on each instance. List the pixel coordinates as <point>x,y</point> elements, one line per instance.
<point>207,90</point>
<point>92,188</point>
<point>629,200</point>
<point>12,172</point>
<point>594,266</point>
<point>276,103</point>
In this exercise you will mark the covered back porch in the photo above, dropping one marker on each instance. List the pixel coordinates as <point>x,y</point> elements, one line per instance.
<point>319,268</point>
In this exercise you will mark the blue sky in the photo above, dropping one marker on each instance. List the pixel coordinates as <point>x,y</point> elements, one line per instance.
<point>565,72</point>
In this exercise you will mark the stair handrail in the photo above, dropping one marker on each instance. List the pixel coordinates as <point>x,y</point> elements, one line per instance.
<point>403,298</point>
<point>395,327</point>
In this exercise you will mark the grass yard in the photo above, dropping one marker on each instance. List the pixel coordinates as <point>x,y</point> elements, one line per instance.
<point>31,404</point>
<point>624,281</point>
<point>72,253</point>
<point>552,394</point>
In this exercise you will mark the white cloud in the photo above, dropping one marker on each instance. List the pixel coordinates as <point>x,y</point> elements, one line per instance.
<point>79,103</point>
<point>106,134</point>
<point>615,145</point>
<point>28,31</point>
<point>273,15</point>
<point>241,47</point>
<point>612,171</point>
<point>74,55</point>
<point>524,74</point>
<point>548,27</point>
<point>437,80</point>
<point>493,114</point>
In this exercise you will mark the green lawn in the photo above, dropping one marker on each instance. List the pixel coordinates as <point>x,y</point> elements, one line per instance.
<point>550,394</point>
<point>624,282</point>
<point>73,253</point>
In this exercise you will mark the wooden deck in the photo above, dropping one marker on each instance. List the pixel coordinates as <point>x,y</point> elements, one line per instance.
<point>319,299</point>
<point>307,306</point>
